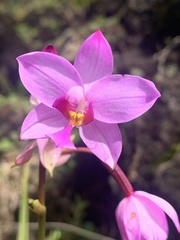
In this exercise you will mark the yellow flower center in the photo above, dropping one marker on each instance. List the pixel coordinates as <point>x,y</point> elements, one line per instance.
<point>76,119</point>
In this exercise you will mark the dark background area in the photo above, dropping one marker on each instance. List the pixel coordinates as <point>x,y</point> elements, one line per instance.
<point>144,39</point>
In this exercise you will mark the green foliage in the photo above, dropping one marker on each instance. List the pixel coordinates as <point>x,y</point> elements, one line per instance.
<point>82,3</point>
<point>26,32</point>
<point>78,210</point>
<point>167,156</point>
<point>5,145</point>
<point>54,235</point>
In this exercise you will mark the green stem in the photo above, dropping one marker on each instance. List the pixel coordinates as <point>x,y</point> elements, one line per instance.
<point>23,230</point>
<point>41,197</point>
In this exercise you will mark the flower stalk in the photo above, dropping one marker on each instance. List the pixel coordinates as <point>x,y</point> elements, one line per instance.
<point>121,179</point>
<point>41,197</point>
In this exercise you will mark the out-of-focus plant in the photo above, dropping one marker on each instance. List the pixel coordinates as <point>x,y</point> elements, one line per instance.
<point>23,230</point>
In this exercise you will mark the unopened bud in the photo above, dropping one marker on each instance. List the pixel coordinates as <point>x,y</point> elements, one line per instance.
<point>37,207</point>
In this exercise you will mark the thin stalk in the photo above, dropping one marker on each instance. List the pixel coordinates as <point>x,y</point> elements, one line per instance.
<point>121,179</point>
<point>41,197</point>
<point>77,150</point>
<point>23,230</point>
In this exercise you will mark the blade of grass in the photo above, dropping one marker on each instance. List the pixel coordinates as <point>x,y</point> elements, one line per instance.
<point>23,228</point>
<point>66,227</point>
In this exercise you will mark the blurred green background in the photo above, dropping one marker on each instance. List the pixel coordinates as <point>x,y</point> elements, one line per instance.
<point>144,40</point>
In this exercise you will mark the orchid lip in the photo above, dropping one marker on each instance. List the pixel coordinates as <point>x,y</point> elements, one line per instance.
<point>77,114</point>
<point>74,107</point>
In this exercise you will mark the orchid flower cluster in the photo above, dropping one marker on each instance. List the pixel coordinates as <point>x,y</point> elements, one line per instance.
<point>87,96</point>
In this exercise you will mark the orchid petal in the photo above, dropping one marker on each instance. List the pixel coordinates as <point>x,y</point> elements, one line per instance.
<point>50,155</point>
<point>127,221</point>
<point>47,76</point>
<point>94,59</point>
<point>62,138</point>
<point>41,121</point>
<point>104,140</point>
<point>164,205</point>
<point>25,155</point>
<point>140,218</point>
<point>152,220</point>
<point>117,98</point>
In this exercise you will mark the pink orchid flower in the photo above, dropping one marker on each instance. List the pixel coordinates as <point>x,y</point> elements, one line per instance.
<point>141,216</point>
<point>85,95</point>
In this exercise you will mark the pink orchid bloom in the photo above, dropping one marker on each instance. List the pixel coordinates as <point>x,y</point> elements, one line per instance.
<point>85,95</point>
<point>141,216</point>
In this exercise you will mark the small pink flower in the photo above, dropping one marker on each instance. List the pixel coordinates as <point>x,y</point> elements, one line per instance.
<point>141,216</point>
<point>85,95</point>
